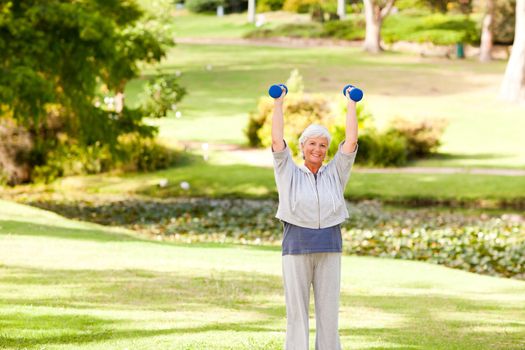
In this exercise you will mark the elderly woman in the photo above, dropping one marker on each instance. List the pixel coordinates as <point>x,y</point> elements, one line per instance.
<point>312,208</point>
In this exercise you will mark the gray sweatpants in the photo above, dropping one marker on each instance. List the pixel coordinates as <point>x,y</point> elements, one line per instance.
<point>323,270</point>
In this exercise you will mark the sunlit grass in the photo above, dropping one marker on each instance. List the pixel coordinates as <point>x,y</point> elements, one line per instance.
<point>70,289</point>
<point>223,179</point>
<point>224,83</point>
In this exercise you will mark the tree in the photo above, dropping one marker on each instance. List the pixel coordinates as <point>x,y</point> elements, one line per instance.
<point>251,11</point>
<point>513,86</point>
<point>341,10</point>
<point>58,58</point>
<point>375,12</point>
<point>487,32</point>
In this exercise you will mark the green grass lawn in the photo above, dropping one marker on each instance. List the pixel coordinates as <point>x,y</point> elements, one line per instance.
<point>225,177</point>
<point>482,131</point>
<point>210,26</point>
<point>73,285</point>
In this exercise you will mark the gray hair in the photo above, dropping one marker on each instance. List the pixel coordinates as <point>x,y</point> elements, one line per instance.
<point>314,130</point>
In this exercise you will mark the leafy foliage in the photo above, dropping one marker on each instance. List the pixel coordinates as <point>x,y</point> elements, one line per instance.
<point>299,6</point>
<point>133,153</point>
<point>210,6</point>
<point>203,6</point>
<point>484,243</point>
<point>404,139</point>
<point>438,29</point>
<point>269,5</point>
<point>351,29</point>
<point>56,60</point>
<point>422,137</point>
<point>162,93</point>
<point>382,149</point>
<point>292,30</point>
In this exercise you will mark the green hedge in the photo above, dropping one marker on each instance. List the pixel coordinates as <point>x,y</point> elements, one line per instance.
<point>269,5</point>
<point>210,6</point>
<point>403,140</point>
<point>438,29</point>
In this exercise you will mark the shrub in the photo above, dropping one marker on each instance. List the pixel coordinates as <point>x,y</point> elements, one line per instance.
<point>68,158</point>
<point>255,123</point>
<point>145,154</point>
<point>235,6</point>
<point>300,110</point>
<point>293,30</point>
<point>133,153</point>
<point>299,6</point>
<point>381,149</point>
<point>403,140</point>
<point>438,29</point>
<point>269,5</point>
<point>203,6</point>
<point>162,92</point>
<point>210,6</point>
<point>422,136</point>
<point>347,30</point>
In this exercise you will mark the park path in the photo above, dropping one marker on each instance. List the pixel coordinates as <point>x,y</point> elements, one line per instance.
<point>421,49</point>
<point>262,157</point>
<point>274,41</point>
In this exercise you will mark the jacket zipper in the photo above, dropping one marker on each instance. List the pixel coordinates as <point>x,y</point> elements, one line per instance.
<point>318,203</point>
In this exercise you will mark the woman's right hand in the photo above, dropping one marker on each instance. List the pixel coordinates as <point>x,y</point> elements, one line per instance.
<point>280,99</point>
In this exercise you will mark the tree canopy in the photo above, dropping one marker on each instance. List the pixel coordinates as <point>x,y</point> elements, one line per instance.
<point>59,57</point>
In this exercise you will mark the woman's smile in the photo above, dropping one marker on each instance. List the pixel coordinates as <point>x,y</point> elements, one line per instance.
<point>314,150</point>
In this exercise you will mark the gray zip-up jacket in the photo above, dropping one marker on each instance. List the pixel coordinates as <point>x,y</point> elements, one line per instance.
<point>309,202</point>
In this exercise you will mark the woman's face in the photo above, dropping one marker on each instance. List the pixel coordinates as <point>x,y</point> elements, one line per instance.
<point>314,150</point>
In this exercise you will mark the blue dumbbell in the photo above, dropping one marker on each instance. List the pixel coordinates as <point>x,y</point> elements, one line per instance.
<point>276,90</point>
<point>355,94</point>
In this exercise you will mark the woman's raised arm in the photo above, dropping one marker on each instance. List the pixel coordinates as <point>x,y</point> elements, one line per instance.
<point>278,124</point>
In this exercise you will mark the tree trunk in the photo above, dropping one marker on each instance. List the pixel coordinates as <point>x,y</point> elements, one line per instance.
<point>485,54</point>
<point>341,10</point>
<point>374,15</point>
<point>373,27</point>
<point>513,86</point>
<point>119,97</point>
<point>251,11</point>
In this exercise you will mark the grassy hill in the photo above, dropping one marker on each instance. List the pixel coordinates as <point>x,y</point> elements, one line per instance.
<point>74,285</point>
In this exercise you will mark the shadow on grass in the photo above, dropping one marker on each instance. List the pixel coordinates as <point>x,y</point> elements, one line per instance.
<point>84,329</point>
<point>431,321</point>
<point>24,228</point>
